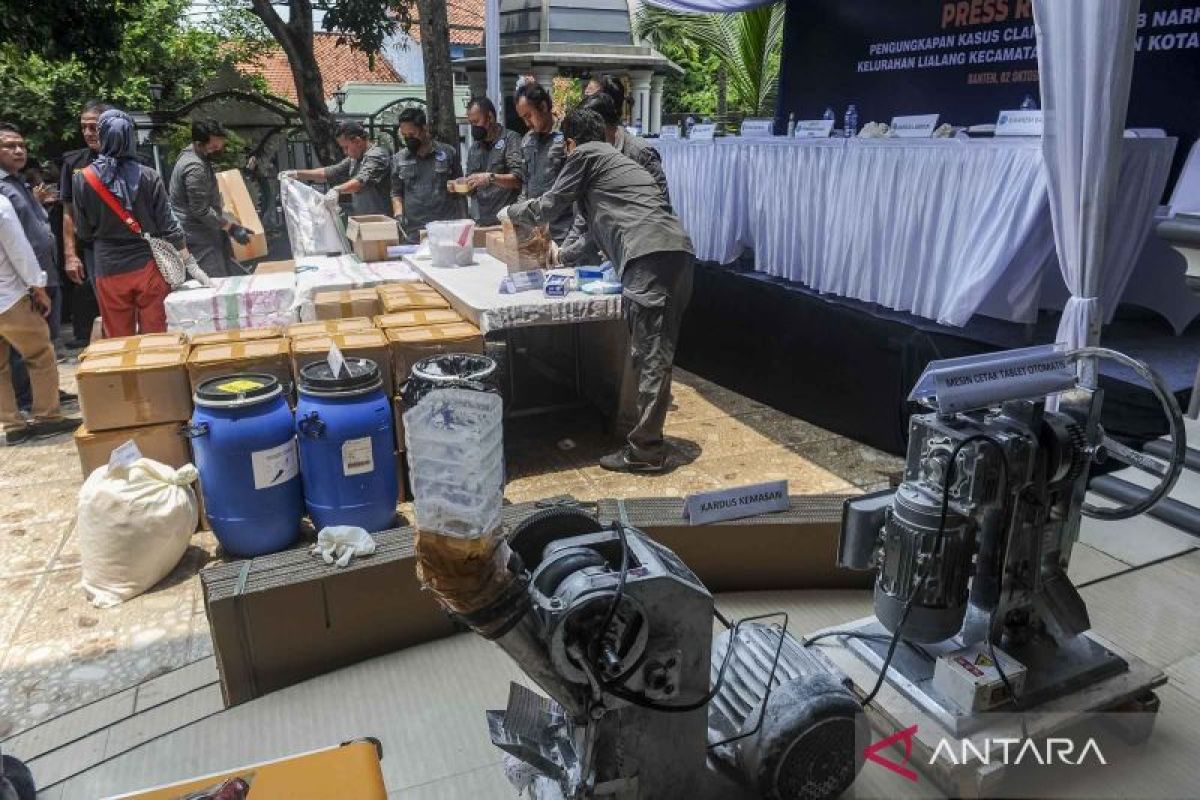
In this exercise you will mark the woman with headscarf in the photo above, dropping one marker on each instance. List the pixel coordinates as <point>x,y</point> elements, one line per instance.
<point>129,287</point>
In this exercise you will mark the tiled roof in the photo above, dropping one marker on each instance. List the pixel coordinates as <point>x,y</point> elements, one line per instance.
<point>339,64</point>
<point>466,22</point>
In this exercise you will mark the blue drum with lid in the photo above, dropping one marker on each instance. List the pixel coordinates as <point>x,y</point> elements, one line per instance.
<point>347,448</point>
<point>244,443</point>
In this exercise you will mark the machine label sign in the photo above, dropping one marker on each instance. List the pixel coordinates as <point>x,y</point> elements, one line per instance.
<point>276,466</point>
<point>1004,376</point>
<point>744,501</point>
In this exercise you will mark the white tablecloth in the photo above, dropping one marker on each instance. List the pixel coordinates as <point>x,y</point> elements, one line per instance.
<point>943,228</point>
<point>474,292</point>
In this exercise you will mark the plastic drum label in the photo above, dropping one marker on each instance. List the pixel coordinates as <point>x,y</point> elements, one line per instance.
<point>358,457</point>
<point>276,466</point>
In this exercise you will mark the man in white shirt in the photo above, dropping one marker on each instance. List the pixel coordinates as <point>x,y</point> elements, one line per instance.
<point>23,308</point>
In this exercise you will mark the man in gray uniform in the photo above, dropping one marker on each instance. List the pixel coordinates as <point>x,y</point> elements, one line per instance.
<point>629,219</point>
<point>196,202</point>
<point>421,173</point>
<point>494,163</point>
<point>542,149</point>
<point>365,172</point>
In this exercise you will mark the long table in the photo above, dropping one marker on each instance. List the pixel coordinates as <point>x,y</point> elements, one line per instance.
<point>941,228</point>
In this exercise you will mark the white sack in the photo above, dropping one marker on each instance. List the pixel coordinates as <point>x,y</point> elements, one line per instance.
<point>313,227</point>
<point>134,525</point>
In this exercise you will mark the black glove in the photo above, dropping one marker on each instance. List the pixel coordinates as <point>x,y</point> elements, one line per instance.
<point>239,234</point>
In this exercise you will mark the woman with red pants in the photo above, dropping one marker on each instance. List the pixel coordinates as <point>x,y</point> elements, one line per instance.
<point>129,287</point>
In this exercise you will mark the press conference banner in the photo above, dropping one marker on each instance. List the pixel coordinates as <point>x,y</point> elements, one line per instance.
<point>968,60</point>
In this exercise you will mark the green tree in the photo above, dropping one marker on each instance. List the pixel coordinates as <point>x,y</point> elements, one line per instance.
<point>744,47</point>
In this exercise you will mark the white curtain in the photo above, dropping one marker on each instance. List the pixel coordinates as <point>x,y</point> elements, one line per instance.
<point>708,6</point>
<point>1085,55</point>
<point>491,43</point>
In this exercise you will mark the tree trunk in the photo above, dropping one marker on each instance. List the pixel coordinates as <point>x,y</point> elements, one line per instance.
<point>439,75</point>
<point>295,37</point>
<point>722,95</point>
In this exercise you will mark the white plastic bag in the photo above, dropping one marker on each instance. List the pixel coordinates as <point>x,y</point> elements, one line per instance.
<point>314,228</point>
<point>338,544</point>
<point>134,524</point>
<point>452,244</point>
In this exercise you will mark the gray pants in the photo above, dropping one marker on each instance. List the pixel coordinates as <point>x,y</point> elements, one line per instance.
<point>212,251</point>
<point>657,290</point>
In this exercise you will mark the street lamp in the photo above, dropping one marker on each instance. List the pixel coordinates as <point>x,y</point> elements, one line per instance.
<point>339,97</point>
<point>156,93</point>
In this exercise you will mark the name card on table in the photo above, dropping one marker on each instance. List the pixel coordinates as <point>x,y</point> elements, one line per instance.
<point>814,128</point>
<point>669,132</point>
<point>758,128</point>
<point>744,501</point>
<point>919,126</point>
<point>703,132</point>
<point>1022,122</point>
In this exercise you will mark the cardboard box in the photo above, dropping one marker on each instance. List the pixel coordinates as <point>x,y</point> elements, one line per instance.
<point>164,443</point>
<point>266,356</point>
<point>794,549</point>
<point>134,344</point>
<point>395,298</point>
<point>129,390</point>
<point>370,235</point>
<point>244,335</point>
<point>236,303</point>
<point>410,345</point>
<point>302,329</point>
<point>372,344</point>
<point>417,319</point>
<point>347,304</point>
<point>398,412</point>
<point>275,267</point>
<point>239,206</point>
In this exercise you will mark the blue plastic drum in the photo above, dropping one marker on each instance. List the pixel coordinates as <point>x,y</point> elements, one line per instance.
<point>347,448</point>
<point>244,442</point>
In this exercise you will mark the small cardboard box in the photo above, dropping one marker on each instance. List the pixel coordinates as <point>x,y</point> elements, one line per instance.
<point>370,236</point>
<point>266,356</point>
<point>398,297</point>
<point>302,329</point>
<point>275,267</point>
<point>242,335</point>
<point>129,390</point>
<point>134,344</point>
<point>372,344</point>
<point>417,319</point>
<point>164,443</point>
<point>239,206</point>
<point>410,345</point>
<point>347,303</point>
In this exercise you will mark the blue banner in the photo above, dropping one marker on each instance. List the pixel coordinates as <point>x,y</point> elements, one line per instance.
<point>968,60</point>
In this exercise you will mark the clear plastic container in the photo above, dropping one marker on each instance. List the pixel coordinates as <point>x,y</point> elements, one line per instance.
<point>452,244</point>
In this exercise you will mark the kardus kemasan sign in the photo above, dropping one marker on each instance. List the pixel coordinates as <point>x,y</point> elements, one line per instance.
<point>968,60</point>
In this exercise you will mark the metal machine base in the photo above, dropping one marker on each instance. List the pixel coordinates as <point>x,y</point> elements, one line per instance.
<point>1052,672</point>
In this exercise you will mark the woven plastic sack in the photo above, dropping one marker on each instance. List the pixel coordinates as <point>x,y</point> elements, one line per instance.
<point>134,524</point>
<point>314,227</point>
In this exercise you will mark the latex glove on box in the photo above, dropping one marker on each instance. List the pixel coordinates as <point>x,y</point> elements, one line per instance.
<point>339,544</point>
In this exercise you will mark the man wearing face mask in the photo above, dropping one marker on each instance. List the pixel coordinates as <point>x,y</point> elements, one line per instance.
<point>196,202</point>
<point>421,174</point>
<point>542,148</point>
<point>365,172</point>
<point>633,226</point>
<point>494,163</point>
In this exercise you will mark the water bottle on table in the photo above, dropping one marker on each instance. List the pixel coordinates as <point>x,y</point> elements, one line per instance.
<point>851,121</point>
<point>1028,104</point>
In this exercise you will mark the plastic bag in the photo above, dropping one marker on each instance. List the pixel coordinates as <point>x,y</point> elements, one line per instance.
<point>452,244</point>
<point>134,524</point>
<point>314,228</point>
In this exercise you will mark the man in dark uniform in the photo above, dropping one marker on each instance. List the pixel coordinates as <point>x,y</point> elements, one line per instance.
<point>79,257</point>
<point>421,173</point>
<point>494,162</point>
<point>365,172</point>
<point>542,149</point>
<point>629,219</point>
<point>196,202</point>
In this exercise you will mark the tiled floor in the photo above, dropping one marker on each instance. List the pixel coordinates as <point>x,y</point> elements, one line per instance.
<point>58,653</point>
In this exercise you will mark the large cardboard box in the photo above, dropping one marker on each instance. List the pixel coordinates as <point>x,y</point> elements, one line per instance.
<point>164,443</point>
<point>794,549</point>
<point>134,344</point>
<point>397,297</point>
<point>275,267</point>
<point>240,207</point>
<point>417,319</point>
<point>327,326</point>
<point>243,335</point>
<point>129,390</point>
<point>372,344</point>
<point>370,235</point>
<point>266,356</point>
<point>347,303</point>
<point>410,345</point>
